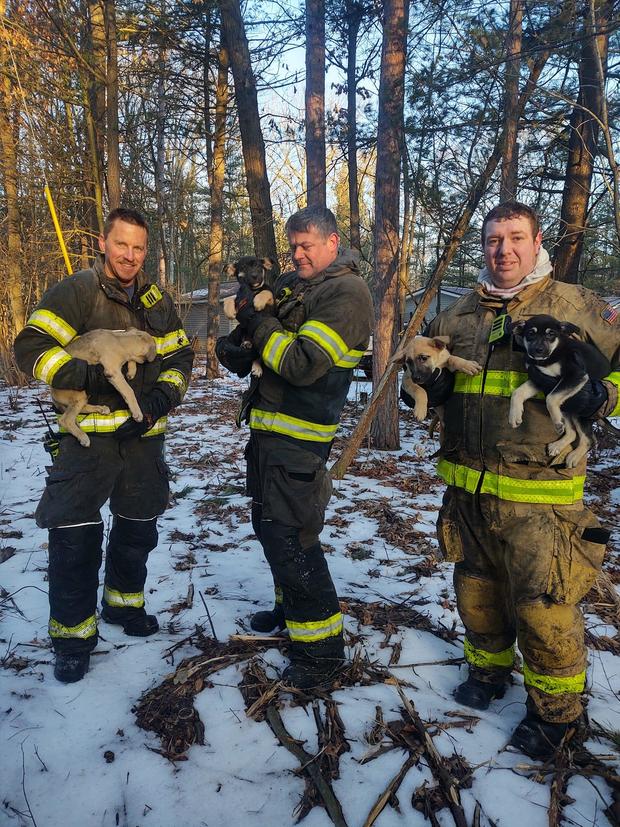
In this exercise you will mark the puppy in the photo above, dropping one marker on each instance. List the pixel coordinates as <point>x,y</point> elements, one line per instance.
<point>551,350</point>
<point>258,274</point>
<point>422,357</point>
<point>112,349</point>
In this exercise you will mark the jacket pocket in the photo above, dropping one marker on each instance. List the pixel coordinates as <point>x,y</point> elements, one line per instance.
<point>578,551</point>
<point>448,532</point>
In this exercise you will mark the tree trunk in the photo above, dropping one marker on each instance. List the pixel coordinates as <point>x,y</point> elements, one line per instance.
<point>161,187</point>
<point>316,191</point>
<point>113,166</point>
<point>216,241</point>
<point>354,16</point>
<point>390,128</point>
<point>510,160</point>
<point>252,141</point>
<point>96,100</point>
<point>10,178</point>
<point>582,145</point>
<point>409,211</point>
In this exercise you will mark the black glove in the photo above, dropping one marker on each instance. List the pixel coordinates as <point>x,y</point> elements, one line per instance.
<point>248,317</point>
<point>95,382</point>
<point>235,357</point>
<point>153,405</point>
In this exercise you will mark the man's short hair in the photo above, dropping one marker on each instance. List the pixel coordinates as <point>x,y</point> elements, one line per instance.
<point>127,215</point>
<point>512,209</point>
<point>322,219</point>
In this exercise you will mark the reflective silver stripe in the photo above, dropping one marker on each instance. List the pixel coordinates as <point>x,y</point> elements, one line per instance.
<point>277,344</point>
<point>325,337</point>
<point>49,363</point>
<point>52,324</point>
<point>291,426</point>
<point>315,629</point>
<point>112,597</point>
<point>87,628</point>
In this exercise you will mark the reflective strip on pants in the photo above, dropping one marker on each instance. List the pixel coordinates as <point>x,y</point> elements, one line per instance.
<point>486,660</point>
<point>87,628</point>
<point>316,629</point>
<point>554,685</point>
<point>123,599</point>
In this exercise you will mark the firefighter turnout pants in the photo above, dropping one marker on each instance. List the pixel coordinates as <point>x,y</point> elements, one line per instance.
<point>290,488</point>
<point>134,477</point>
<point>521,569</point>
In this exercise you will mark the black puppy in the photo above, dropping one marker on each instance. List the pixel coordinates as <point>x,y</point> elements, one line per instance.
<point>258,274</point>
<point>551,350</point>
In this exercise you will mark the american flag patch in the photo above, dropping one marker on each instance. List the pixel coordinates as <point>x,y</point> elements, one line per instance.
<point>609,314</point>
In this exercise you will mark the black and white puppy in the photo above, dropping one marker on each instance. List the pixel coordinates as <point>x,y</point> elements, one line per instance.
<point>551,350</point>
<point>259,275</point>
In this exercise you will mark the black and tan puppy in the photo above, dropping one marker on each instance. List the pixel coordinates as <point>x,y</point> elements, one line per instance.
<point>421,357</point>
<point>551,350</point>
<point>258,274</point>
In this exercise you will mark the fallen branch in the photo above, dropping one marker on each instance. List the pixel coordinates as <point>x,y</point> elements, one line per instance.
<point>332,805</point>
<point>389,791</point>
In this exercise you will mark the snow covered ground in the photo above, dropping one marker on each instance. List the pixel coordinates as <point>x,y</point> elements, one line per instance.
<point>74,756</point>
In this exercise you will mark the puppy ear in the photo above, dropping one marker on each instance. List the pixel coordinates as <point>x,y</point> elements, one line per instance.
<point>569,329</point>
<point>268,263</point>
<point>517,332</point>
<point>230,270</point>
<point>441,342</point>
<point>399,356</point>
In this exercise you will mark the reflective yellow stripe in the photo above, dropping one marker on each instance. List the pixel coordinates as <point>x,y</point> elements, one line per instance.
<point>550,492</point>
<point>275,348</point>
<point>484,659</point>
<point>325,337</point>
<point>53,324</point>
<point>496,383</point>
<point>122,599</point>
<point>174,377</point>
<point>350,359</point>
<point>97,423</point>
<point>171,342</point>
<point>49,363</point>
<point>554,685</point>
<point>87,628</point>
<point>291,426</point>
<point>614,378</point>
<point>315,629</point>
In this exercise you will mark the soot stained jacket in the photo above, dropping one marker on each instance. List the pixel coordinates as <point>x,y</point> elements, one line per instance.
<point>89,300</point>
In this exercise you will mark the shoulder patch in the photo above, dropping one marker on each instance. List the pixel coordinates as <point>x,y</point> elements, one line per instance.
<point>609,314</point>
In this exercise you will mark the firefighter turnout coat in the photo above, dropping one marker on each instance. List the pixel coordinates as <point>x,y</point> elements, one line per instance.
<point>513,520</point>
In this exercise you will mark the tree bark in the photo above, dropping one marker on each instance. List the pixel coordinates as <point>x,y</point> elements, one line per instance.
<point>354,16</point>
<point>10,178</point>
<point>252,141</point>
<point>390,128</point>
<point>113,166</point>
<point>582,144</point>
<point>216,241</point>
<point>316,188</point>
<point>160,161</point>
<point>510,160</point>
<point>97,105</point>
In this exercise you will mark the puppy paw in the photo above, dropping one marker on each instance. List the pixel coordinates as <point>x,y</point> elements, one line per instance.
<point>139,416</point>
<point>472,368</point>
<point>574,458</point>
<point>84,441</point>
<point>257,369</point>
<point>419,414</point>
<point>515,415</point>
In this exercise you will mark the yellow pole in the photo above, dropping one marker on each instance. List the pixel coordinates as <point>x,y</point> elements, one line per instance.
<point>61,241</point>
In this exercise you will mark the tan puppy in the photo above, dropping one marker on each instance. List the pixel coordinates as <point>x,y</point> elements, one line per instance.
<point>112,349</point>
<point>422,357</point>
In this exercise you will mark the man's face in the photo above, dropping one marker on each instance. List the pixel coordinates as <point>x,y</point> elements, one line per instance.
<point>124,249</point>
<point>510,250</point>
<point>312,252</point>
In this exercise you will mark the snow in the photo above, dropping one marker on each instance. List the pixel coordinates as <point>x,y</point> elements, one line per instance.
<point>54,736</point>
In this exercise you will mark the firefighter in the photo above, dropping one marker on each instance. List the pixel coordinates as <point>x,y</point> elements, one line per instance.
<point>513,521</point>
<point>125,460</point>
<point>309,349</point>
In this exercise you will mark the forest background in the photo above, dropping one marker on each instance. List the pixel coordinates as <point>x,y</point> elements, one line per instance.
<point>217,120</point>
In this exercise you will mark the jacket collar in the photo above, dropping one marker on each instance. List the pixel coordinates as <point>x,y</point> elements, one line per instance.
<point>478,298</point>
<point>112,286</point>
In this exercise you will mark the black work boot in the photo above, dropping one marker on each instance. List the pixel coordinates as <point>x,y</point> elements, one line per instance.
<point>71,666</point>
<point>135,622</point>
<point>312,674</point>
<point>478,694</point>
<point>265,622</point>
<point>540,739</point>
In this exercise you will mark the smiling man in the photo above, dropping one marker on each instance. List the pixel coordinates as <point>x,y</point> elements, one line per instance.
<point>513,521</point>
<point>309,349</point>
<point>125,460</point>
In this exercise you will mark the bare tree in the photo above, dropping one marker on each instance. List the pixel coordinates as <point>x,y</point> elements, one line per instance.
<point>315,103</point>
<point>510,161</point>
<point>113,168</point>
<point>390,128</point>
